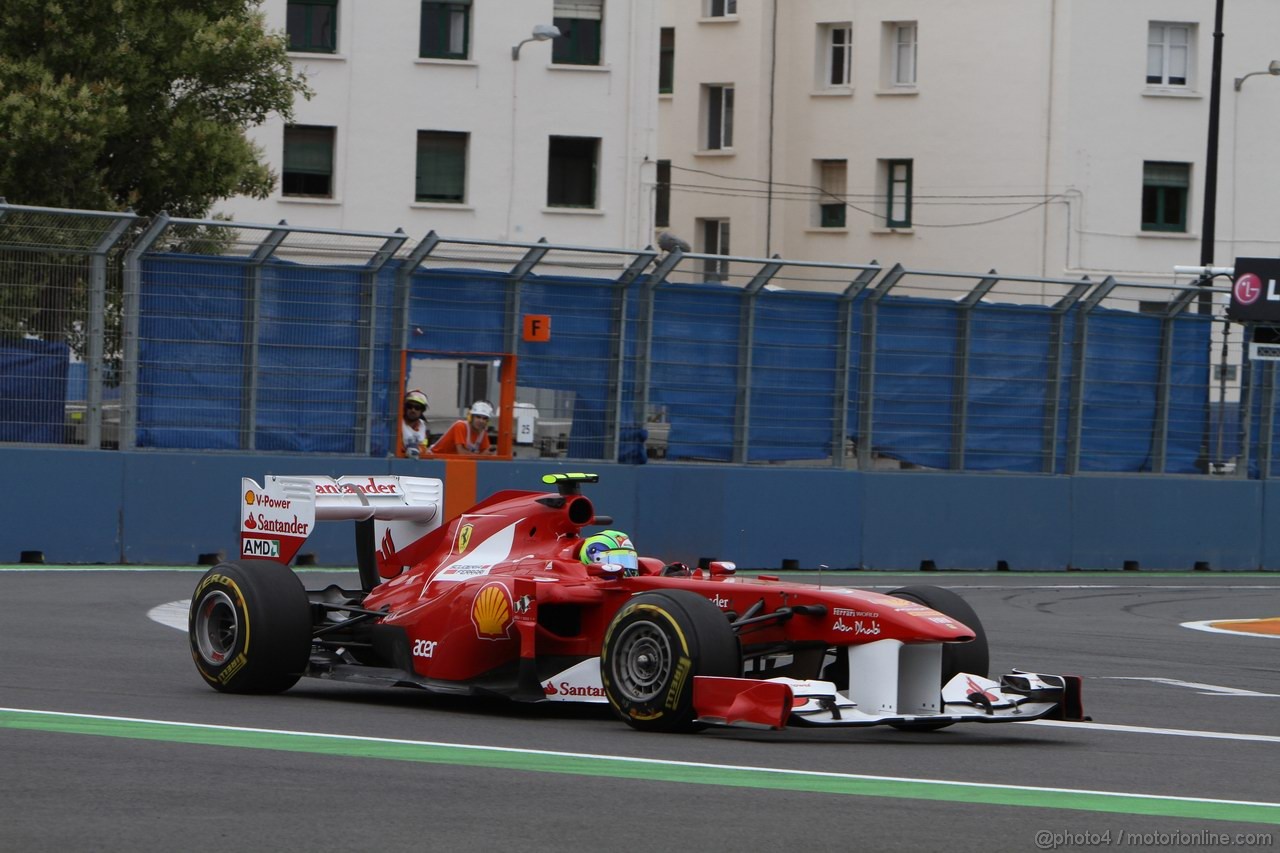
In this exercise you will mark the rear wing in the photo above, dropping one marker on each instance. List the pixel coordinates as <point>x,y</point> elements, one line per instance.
<point>391,514</point>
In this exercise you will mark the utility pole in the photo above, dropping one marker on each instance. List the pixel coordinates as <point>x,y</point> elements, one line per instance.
<point>1209,220</point>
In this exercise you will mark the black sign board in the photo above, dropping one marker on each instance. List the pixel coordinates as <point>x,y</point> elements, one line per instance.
<point>1255,291</point>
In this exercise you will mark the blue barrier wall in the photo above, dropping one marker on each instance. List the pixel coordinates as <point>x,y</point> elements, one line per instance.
<point>168,508</point>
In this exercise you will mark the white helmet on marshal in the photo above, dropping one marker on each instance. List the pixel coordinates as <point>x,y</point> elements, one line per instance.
<point>481,408</point>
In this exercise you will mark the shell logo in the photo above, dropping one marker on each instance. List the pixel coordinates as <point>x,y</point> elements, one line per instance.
<point>491,612</point>
<point>250,497</point>
<point>464,537</point>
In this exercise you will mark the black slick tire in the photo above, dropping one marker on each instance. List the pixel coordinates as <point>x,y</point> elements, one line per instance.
<point>654,647</point>
<point>250,627</point>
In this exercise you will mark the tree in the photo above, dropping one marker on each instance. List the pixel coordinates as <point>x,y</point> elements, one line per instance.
<point>142,104</point>
<point>123,104</point>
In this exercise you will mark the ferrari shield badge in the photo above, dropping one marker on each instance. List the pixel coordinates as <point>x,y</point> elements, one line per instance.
<point>464,538</point>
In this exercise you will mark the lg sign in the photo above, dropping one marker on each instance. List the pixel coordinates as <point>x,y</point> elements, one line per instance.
<point>1255,295</point>
<point>1249,288</point>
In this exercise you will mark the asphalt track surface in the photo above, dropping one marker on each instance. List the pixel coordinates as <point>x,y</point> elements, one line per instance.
<point>131,751</point>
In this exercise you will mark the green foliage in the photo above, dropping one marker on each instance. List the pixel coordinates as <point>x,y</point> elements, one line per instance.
<point>143,104</point>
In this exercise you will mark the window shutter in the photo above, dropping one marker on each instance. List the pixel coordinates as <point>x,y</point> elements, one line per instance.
<point>1165,175</point>
<point>833,179</point>
<point>441,165</point>
<point>592,10</point>
<point>309,152</point>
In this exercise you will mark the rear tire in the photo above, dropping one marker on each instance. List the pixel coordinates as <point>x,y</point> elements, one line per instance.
<point>654,647</point>
<point>250,627</point>
<point>972,657</point>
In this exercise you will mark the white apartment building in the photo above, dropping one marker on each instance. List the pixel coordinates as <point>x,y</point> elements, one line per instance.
<point>452,117</point>
<point>1039,137</point>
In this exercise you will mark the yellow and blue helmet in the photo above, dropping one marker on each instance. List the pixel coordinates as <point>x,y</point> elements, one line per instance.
<point>612,547</point>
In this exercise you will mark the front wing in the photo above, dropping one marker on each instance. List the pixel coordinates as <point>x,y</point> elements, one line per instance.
<point>778,702</point>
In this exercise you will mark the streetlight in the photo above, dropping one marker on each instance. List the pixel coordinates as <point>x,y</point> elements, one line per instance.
<point>1273,69</point>
<point>541,32</point>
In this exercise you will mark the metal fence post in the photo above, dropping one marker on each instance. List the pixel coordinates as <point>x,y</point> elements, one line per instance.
<point>644,338</point>
<point>867,364</point>
<point>746,348</point>
<point>1075,407</point>
<point>252,321</point>
<point>844,350</point>
<point>1267,428</point>
<point>1053,391</point>
<point>98,328</point>
<point>960,387</point>
<point>369,334</point>
<point>618,346</point>
<point>131,309</point>
<point>1160,441</point>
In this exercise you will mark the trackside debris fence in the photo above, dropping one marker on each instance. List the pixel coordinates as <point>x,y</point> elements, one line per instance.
<point>211,335</point>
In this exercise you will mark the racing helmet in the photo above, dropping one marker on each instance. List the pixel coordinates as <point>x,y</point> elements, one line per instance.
<point>612,547</point>
<point>416,396</point>
<point>481,408</point>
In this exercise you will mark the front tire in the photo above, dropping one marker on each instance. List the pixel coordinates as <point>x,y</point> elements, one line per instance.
<point>654,647</point>
<point>250,627</point>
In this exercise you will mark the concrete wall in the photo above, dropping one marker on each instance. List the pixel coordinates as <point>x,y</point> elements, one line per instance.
<point>169,508</point>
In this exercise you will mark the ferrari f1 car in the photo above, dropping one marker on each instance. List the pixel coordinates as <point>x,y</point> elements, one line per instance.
<point>498,601</point>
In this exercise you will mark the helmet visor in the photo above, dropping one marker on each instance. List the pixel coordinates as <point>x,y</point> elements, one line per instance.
<point>624,557</point>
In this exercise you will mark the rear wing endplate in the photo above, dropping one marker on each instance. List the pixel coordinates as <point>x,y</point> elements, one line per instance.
<point>277,516</point>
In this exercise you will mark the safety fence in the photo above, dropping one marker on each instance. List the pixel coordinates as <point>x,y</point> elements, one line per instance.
<point>206,335</point>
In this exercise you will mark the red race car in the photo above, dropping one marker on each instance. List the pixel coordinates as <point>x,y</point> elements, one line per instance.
<point>516,597</point>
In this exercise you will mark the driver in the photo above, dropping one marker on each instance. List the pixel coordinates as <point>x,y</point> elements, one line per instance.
<point>612,547</point>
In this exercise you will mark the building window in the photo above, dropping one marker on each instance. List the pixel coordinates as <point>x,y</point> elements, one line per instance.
<point>715,241</point>
<point>1169,54</point>
<point>445,30</point>
<point>580,23</point>
<point>837,55</point>
<point>832,181</point>
<point>718,117</point>
<point>1164,195</point>
<point>308,162</point>
<point>662,199</point>
<point>902,52</point>
<point>721,8</point>
<point>571,171</point>
<point>667,60</point>
<point>313,26</point>
<point>442,167</point>
<point>896,178</point>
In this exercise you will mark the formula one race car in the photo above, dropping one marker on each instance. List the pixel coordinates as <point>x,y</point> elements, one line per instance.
<point>501,601</point>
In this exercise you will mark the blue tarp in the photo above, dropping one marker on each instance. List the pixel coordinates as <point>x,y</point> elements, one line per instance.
<point>194,357</point>
<point>33,391</point>
<point>312,329</point>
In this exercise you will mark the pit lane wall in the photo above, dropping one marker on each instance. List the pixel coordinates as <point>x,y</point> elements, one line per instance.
<point>168,509</point>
